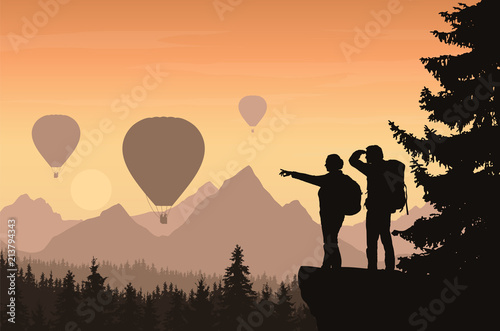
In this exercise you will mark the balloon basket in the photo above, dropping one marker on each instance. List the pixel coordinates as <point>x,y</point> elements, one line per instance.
<point>163,219</point>
<point>56,175</point>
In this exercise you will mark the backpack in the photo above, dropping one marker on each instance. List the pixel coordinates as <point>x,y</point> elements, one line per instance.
<point>395,179</point>
<point>351,197</point>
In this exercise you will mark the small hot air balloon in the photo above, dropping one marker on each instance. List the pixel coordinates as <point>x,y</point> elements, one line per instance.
<point>252,108</point>
<point>163,154</point>
<point>56,137</point>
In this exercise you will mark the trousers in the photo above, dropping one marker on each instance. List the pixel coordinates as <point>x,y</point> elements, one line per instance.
<point>331,223</point>
<point>378,223</point>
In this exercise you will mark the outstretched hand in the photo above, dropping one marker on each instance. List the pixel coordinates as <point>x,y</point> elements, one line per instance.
<point>285,173</point>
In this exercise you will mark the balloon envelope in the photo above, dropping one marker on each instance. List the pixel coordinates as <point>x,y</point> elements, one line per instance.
<point>56,137</point>
<point>252,108</point>
<point>163,154</point>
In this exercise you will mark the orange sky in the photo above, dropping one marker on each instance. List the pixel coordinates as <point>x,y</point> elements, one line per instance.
<point>86,56</point>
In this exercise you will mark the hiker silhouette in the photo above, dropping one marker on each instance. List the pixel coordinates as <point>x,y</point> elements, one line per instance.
<point>332,205</point>
<point>378,204</point>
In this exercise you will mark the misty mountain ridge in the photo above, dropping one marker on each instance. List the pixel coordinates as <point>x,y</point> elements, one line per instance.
<point>206,226</point>
<point>36,223</point>
<point>276,239</point>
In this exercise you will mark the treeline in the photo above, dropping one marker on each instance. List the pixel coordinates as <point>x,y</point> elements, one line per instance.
<point>46,303</point>
<point>139,273</point>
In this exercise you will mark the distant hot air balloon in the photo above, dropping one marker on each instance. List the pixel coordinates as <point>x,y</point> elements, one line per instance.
<point>252,108</point>
<point>163,154</point>
<point>56,137</point>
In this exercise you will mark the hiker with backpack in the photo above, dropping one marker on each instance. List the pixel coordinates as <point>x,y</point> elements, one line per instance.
<point>386,194</point>
<point>339,195</point>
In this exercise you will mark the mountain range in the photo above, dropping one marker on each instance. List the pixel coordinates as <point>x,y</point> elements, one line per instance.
<point>36,223</point>
<point>201,232</point>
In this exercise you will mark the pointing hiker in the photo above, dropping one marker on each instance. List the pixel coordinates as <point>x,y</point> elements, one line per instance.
<point>338,195</point>
<point>385,181</point>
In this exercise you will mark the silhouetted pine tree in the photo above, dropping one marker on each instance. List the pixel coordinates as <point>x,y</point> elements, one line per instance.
<point>190,298</point>
<point>97,314</point>
<point>150,321</point>
<point>216,302</point>
<point>200,316</point>
<point>465,193</point>
<point>284,310</point>
<point>38,320</point>
<point>156,293</point>
<point>237,295</point>
<point>29,278</point>
<point>130,311</point>
<point>175,319</point>
<point>113,307</point>
<point>50,281</point>
<point>95,282</point>
<point>42,283</point>
<point>58,283</point>
<point>66,304</point>
<point>266,292</point>
<point>267,305</point>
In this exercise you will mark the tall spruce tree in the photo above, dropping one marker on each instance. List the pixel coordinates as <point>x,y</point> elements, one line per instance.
<point>284,311</point>
<point>267,307</point>
<point>238,296</point>
<point>29,278</point>
<point>130,310</point>
<point>95,282</point>
<point>66,316</point>
<point>96,300</point>
<point>464,189</point>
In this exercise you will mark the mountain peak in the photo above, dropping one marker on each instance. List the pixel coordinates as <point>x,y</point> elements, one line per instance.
<point>247,171</point>
<point>26,201</point>
<point>24,197</point>
<point>245,175</point>
<point>115,211</point>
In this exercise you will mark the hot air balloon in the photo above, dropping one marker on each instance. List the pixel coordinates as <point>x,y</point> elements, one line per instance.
<point>56,137</point>
<point>163,154</point>
<point>252,108</point>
